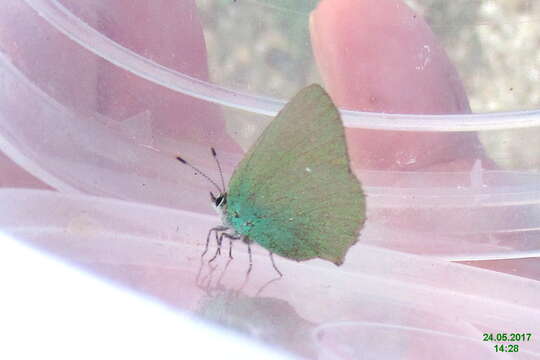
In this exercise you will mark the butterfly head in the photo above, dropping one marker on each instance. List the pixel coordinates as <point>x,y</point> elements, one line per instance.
<point>219,201</point>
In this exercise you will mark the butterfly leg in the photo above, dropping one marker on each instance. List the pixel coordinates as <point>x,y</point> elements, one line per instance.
<point>231,238</point>
<point>274,264</point>
<point>218,250</point>
<point>216,230</point>
<point>250,257</point>
<point>208,240</point>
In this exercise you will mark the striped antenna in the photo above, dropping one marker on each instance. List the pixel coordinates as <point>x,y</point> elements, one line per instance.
<point>214,154</point>
<point>183,161</point>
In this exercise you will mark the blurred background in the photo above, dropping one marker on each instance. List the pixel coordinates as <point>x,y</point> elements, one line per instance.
<point>264,46</point>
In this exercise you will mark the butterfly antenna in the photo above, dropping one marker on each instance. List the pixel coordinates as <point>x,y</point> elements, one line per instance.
<point>183,161</point>
<point>214,154</point>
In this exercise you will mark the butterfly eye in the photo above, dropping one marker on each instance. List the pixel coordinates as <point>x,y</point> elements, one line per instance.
<point>221,200</point>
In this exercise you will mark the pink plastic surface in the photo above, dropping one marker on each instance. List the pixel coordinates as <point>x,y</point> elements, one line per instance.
<point>157,251</point>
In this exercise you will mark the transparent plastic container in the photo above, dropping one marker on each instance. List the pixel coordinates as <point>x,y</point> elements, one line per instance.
<point>156,251</point>
<point>97,100</point>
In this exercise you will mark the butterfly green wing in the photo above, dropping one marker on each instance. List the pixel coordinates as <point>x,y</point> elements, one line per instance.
<point>294,192</point>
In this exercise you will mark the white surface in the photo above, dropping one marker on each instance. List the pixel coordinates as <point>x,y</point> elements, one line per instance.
<point>50,310</point>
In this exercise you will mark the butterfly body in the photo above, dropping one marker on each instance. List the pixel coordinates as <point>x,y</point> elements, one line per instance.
<point>294,193</point>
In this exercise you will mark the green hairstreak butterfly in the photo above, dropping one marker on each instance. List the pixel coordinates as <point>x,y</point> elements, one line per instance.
<point>294,193</point>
